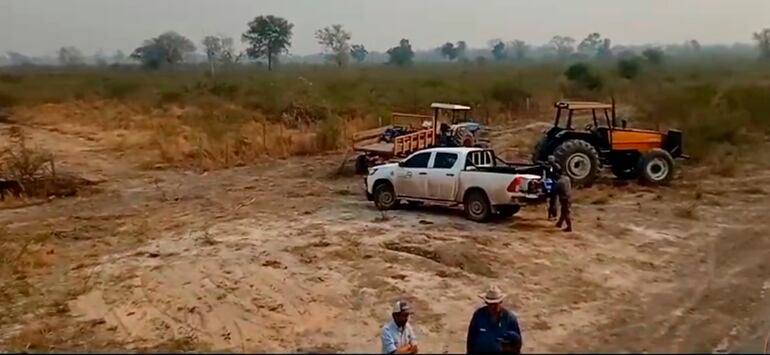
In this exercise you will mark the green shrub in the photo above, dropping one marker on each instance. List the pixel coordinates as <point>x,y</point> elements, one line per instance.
<point>582,75</point>
<point>7,99</point>
<point>328,133</point>
<point>509,95</point>
<point>113,89</point>
<point>171,96</point>
<point>629,68</point>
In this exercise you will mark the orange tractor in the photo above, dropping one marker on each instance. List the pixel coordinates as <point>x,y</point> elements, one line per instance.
<point>629,152</point>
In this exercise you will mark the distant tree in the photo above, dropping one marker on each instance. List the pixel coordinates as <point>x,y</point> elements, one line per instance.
<point>119,57</point>
<point>460,49</point>
<point>763,43</point>
<point>448,51</point>
<point>605,49</point>
<point>452,51</point>
<point>520,49</point>
<point>590,44</point>
<point>70,56</point>
<point>653,55</point>
<point>100,58</point>
<point>563,45</point>
<point>582,75</point>
<point>499,52</point>
<point>692,45</point>
<point>168,48</point>
<point>268,36</point>
<point>630,67</point>
<point>16,58</point>
<point>219,49</point>
<point>335,40</point>
<point>402,55</point>
<point>358,52</point>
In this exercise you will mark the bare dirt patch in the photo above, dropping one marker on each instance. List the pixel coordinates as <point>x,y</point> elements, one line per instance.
<point>277,256</point>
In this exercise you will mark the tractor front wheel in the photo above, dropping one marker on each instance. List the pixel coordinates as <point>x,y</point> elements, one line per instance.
<point>656,167</point>
<point>579,160</point>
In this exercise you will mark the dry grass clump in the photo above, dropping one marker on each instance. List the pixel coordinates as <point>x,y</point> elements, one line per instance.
<point>30,171</point>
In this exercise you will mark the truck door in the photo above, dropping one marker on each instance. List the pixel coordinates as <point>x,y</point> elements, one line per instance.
<point>412,176</point>
<point>443,177</point>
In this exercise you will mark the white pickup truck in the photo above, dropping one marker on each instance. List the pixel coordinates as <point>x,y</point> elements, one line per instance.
<point>473,177</point>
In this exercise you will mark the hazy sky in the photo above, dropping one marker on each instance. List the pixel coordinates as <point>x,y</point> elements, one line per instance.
<point>39,27</point>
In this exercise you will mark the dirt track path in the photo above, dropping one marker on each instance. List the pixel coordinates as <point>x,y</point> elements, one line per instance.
<point>280,257</point>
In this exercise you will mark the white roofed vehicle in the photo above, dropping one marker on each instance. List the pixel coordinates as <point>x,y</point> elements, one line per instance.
<point>473,177</point>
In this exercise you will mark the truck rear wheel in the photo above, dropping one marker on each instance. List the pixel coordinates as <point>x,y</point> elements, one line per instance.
<point>656,167</point>
<point>477,206</point>
<point>385,196</point>
<point>579,160</point>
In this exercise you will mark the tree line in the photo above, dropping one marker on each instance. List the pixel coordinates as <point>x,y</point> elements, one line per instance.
<point>269,37</point>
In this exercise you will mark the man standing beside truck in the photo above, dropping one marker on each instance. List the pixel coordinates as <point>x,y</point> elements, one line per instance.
<point>563,191</point>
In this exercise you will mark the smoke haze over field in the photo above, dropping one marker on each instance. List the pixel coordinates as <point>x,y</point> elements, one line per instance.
<point>40,27</point>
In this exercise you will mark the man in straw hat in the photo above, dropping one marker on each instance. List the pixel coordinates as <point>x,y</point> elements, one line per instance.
<point>491,323</point>
<point>397,335</point>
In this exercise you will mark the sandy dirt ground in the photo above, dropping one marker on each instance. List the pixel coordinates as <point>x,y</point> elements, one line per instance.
<point>283,256</point>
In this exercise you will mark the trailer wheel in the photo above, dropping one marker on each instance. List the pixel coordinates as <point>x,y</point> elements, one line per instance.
<point>362,165</point>
<point>477,206</point>
<point>656,167</point>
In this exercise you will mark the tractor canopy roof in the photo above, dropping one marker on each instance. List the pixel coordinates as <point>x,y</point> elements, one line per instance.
<point>449,106</point>
<point>582,105</point>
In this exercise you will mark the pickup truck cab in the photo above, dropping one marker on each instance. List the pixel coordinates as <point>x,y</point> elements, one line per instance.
<point>473,177</point>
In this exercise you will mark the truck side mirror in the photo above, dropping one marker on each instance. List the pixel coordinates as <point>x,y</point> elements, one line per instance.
<point>623,123</point>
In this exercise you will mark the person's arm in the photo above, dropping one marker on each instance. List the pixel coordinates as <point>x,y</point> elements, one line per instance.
<point>472,334</point>
<point>388,343</point>
<point>513,325</point>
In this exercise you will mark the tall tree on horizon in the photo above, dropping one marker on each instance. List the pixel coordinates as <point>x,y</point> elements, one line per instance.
<point>268,36</point>
<point>335,39</point>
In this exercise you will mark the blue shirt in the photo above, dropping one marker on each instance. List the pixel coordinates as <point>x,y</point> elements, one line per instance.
<point>483,332</point>
<point>394,337</point>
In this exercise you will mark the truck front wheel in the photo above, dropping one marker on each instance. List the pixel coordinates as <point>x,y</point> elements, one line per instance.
<point>385,196</point>
<point>477,207</point>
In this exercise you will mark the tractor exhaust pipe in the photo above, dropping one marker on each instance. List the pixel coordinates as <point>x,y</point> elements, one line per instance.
<point>614,122</point>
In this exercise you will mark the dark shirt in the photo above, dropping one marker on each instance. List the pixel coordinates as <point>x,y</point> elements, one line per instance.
<point>483,332</point>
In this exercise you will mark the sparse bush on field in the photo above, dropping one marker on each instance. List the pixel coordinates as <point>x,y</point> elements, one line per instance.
<point>329,133</point>
<point>119,89</point>
<point>7,100</point>
<point>629,68</point>
<point>19,161</point>
<point>584,77</point>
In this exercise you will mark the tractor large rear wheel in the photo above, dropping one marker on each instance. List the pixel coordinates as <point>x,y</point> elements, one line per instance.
<point>579,160</point>
<point>538,153</point>
<point>656,167</point>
